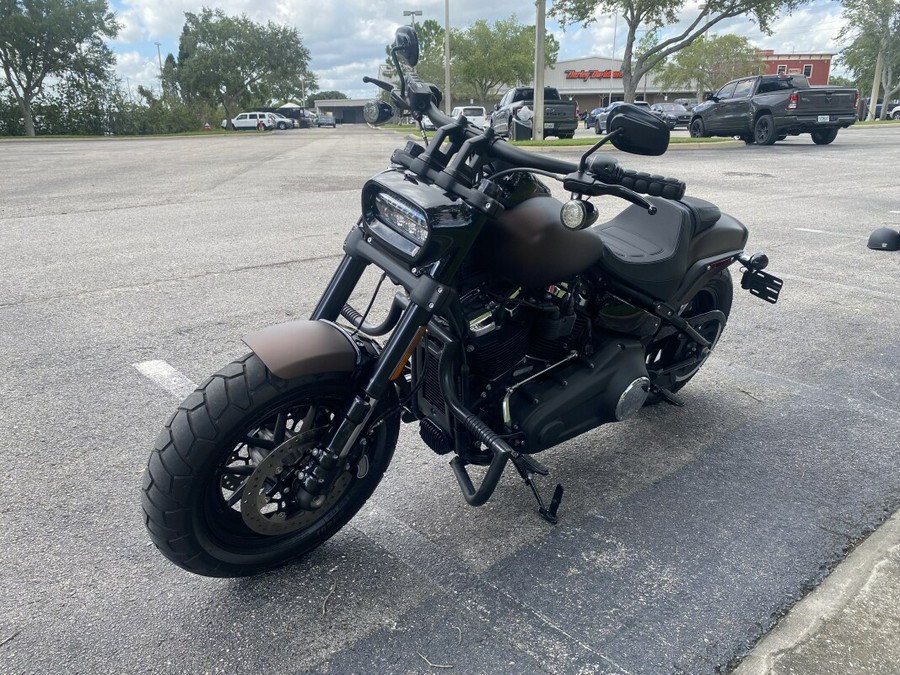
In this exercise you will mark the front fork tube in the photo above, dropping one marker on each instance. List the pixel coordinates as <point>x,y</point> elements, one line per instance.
<point>426,299</point>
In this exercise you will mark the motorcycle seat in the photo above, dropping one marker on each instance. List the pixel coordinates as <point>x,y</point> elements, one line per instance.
<point>705,214</point>
<point>650,252</point>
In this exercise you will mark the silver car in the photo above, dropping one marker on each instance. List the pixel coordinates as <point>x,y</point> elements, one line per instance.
<point>600,121</point>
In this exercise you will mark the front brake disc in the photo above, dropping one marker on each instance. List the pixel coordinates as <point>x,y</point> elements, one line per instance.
<point>267,505</point>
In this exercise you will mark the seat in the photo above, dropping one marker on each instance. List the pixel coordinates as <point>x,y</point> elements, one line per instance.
<point>705,214</point>
<point>649,252</point>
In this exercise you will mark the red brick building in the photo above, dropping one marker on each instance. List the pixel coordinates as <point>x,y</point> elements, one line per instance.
<point>816,67</point>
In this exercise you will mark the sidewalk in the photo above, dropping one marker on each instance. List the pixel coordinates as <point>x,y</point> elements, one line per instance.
<point>849,625</point>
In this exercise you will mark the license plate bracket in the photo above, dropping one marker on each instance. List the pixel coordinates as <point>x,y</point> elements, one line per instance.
<point>762,284</point>
<point>824,118</point>
<point>548,125</point>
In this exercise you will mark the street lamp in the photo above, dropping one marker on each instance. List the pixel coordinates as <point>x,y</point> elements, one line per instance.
<point>412,13</point>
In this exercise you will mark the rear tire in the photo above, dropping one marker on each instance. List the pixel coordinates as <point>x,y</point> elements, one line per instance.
<point>193,493</point>
<point>673,347</point>
<point>697,128</point>
<point>824,137</point>
<point>764,132</point>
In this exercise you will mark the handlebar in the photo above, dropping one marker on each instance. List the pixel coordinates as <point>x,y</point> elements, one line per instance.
<point>604,169</point>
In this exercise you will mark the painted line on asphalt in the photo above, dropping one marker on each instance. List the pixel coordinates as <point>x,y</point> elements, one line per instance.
<point>166,377</point>
<point>833,234</point>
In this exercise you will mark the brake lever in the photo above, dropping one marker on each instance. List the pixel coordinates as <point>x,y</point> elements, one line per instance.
<point>585,183</point>
<point>633,197</point>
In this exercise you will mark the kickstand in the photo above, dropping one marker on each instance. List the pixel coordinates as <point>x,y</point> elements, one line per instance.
<point>527,466</point>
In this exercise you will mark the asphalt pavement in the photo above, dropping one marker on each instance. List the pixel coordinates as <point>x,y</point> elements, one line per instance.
<point>750,530</point>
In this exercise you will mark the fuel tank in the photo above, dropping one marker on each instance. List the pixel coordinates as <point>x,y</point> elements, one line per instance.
<point>529,245</point>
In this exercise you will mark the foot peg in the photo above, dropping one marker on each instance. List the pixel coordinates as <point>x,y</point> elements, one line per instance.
<point>526,466</point>
<point>669,397</point>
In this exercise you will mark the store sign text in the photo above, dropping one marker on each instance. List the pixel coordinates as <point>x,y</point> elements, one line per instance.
<point>593,74</point>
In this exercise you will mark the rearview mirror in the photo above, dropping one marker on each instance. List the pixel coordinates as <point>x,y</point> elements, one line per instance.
<point>406,45</point>
<point>637,130</point>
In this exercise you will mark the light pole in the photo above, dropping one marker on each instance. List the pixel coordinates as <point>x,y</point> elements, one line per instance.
<point>413,13</point>
<point>612,68</point>
<point>537,122</point>
<point>447,107</point>
<point>162,89</point>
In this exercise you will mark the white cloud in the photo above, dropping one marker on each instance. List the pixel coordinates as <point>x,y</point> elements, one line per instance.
<point>346,39</point>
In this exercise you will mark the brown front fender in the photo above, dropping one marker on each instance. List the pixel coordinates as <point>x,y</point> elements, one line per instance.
<point>301,348</point>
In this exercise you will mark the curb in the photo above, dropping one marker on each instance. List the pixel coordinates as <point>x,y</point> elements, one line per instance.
<point>811,616</point>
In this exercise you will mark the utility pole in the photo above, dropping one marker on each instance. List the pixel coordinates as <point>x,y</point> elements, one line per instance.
<point>447,107</point>
<point>537,122</point>
<point>612,68</point>
<point>162,89</point>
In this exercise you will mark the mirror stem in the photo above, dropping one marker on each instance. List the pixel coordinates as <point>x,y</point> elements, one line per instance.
<point>583,162</point>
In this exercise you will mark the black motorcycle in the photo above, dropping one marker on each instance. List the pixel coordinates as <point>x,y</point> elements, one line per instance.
<point>520,324</point>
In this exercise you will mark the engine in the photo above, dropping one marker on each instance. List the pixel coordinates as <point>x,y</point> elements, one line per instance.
<point>542,366</point>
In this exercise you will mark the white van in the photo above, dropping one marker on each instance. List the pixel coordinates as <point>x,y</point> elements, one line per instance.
<point>474,113</point>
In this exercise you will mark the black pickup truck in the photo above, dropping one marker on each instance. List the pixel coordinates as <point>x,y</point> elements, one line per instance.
<point>516,109</point>
<point>768,108</point>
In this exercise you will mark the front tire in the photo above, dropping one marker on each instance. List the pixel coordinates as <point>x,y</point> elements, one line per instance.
<point>194,500</point>
<point>764,132</point>
<point>670,347</point>
<point>824,136</point>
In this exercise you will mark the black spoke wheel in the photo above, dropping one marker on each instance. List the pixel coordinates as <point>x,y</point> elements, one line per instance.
<point>218,490</point>
<point>697,130</point>
<point>670,348</point>
<point>764,132</point>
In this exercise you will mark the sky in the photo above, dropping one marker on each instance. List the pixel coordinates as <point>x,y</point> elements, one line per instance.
<point>346,38</point>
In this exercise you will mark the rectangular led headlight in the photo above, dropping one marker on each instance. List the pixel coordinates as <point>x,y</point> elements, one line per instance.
<point>402,217</point>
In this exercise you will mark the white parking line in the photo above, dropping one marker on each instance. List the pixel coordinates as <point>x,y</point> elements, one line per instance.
<point>833,234</point>
<point>166,377</point>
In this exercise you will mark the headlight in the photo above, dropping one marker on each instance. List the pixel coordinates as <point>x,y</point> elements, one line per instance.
<point>401,216</point>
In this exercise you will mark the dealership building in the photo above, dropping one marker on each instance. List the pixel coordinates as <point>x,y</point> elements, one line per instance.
<point>595,81</point>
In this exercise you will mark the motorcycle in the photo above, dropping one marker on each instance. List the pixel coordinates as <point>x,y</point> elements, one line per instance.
<point>521,323</point>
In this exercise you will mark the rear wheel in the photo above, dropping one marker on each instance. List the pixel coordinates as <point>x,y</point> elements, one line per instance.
<point>824,136</point>
<point>671,348</point>
<point>764,130</point>
<point>697,128</point>
<point>218,489</point>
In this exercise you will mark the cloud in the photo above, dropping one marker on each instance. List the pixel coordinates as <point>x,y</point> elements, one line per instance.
<point>346,39</point>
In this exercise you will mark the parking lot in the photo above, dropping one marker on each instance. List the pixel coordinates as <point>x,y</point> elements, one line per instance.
<point>684,534</point>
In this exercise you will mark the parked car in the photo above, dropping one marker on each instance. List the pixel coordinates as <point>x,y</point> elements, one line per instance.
<point>591,117</point>
<point>474,113</point>
<point>326,120</point>
<point>895,113</point>
<point>689,103</point>
<point>516,109</point>
<point>675,114</point>
<point>765,108</point>
<point>283,122</point>
<point>250,120</point>
<point>600,122</point>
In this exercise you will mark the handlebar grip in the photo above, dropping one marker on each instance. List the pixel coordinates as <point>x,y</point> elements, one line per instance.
<point>656,186</point>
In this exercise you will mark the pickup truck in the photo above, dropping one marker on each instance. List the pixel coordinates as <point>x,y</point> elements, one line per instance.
<point>516,108</point>
<point>766,108</point>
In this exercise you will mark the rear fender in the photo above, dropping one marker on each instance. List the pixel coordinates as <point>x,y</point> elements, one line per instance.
<point>298,348</point>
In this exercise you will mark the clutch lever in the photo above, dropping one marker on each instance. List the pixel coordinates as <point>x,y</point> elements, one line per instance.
<point>584,183</point>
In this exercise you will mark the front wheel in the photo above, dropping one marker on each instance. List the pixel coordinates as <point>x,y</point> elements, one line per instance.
<point>697,129</point>
<point>824,136</point>
<point>672,357</point>
<point>219,485</point>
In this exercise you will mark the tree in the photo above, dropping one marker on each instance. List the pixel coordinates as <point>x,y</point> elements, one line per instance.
<point>233,60</point>
<point>873,52</point>
<point>485,57</point>
<point>52,38</point>
<point>323,96</point>
<point>654,15</point>
<point>709,62</point>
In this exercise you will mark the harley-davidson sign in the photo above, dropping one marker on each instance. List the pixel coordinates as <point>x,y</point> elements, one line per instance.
<point>586,75</point>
